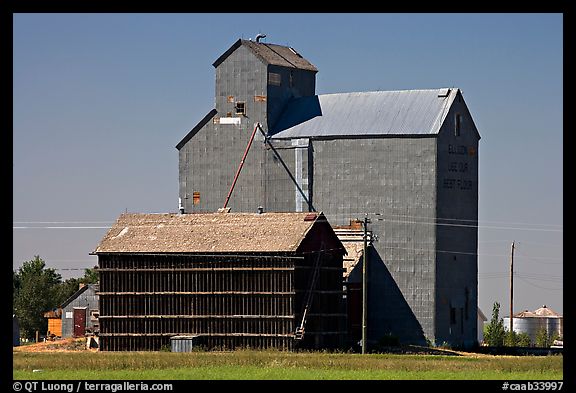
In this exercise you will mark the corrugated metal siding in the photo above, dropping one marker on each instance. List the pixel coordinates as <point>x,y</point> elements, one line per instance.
<point>210,159</point>
<point>407,112</point>
<point>89,299</point>
<point>457,263</point>
<point>395,178</point>
<point>184,343</point>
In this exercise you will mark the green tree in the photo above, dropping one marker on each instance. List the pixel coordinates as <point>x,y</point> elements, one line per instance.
<point>495,330</point>
<point>523,340</point>
<point>34,290</point>
<point>542,339</point>
<point>511,339</point>
<point>545,340</point>
<point>64,290</point>
<point>90,276</point>
<point>67,288</point>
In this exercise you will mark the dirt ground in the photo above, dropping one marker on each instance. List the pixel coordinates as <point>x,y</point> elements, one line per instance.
<point>62,345</point>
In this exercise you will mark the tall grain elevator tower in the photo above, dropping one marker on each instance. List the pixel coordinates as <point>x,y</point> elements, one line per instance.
<point>407,158</point>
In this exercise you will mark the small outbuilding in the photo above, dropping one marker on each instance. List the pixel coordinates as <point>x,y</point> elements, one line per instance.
<point>228,280</point>
<point>80,312</point>
<point>54,317</point>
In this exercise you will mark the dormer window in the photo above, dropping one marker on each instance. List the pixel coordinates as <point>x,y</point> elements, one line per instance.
<point>240,108</point>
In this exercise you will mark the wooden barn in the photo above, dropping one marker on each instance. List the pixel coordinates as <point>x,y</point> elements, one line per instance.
<point>227,279</point>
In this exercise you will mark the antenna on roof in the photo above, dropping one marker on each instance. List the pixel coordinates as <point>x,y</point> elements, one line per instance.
<point>260,36</point>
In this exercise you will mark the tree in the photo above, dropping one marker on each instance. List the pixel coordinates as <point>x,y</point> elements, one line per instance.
<point>542,338</point>
<point>511,339</point>
<point>523,340</point>
<point>495,332</point>
<point>514,339</point>
<point>90,276</point>
<point>34,287</point>
<point>67,288</point>
<point>545,340</point>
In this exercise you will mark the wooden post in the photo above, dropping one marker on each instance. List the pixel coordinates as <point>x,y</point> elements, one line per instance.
<point>365,287</point>
<point>511,288</point>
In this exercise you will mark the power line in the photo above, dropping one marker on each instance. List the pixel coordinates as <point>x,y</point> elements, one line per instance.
<point>534,276</point>
<point>522,255</point>
<point>352,214</point>
<point>460,219</point>
<point>472,226</point>
<point>540,244</point>
<point>538,286</point>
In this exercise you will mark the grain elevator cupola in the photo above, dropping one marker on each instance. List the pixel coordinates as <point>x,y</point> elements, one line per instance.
<point>256,79</point>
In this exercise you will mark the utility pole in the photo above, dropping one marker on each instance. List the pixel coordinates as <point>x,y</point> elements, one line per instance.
<point>365,286</point>
<point>511,287</point>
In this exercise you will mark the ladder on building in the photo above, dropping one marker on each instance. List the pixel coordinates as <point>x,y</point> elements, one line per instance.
<point>299,334</point>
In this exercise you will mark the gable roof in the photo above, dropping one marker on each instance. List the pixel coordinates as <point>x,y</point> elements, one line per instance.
<point>78,293</point>
<point>196,128</point>
<point>284,56</point>
<point>401,112</point>
<point>208,232</point>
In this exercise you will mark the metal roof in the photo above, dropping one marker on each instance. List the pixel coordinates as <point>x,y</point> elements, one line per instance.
<point>401,112</point>
<point>208,232</point>
<point>542,312</point>
<point>284,56</point>
<point>79,292</point>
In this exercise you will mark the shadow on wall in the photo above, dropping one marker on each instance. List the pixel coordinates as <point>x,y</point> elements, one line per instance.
<point>298,110</point>
<point>388,312</point>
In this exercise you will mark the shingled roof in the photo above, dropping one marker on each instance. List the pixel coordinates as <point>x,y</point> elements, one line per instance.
<point>284,56</point>
<point>210,232</point>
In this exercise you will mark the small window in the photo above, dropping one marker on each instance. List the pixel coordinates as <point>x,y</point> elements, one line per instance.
<point>457,124</point>
<point>274,79</point>
<point>196,197</point>
<point>240,108</point>
<point>94,314</point>
<point>291,79</point>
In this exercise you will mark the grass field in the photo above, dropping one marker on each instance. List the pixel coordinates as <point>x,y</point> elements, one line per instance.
<point>251,365</point>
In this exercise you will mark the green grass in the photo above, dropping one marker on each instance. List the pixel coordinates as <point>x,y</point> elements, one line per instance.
<point>253,365</point>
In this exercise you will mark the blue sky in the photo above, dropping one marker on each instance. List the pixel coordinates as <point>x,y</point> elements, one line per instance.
<point>101,100</point>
